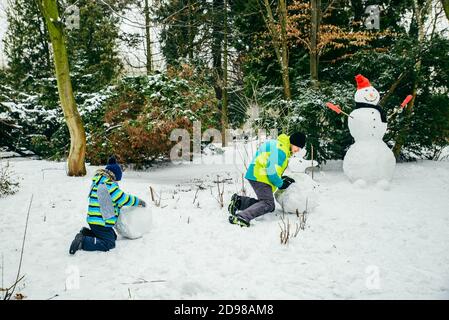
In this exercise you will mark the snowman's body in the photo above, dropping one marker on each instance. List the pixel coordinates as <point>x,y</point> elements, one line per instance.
<point>302,195</point>
<point>368,160</point>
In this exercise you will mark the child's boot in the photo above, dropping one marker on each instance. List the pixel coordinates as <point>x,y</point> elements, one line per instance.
<point>76,243</point>
<point>234,205</point>
<point>239,221</point>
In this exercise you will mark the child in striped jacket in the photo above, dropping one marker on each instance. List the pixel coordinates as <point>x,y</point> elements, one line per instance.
<point>105,201</point>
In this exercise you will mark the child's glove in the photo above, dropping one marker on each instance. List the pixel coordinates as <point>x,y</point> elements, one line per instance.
<point>286,182</point>
<point>142,203</point>
<point>288,179</point>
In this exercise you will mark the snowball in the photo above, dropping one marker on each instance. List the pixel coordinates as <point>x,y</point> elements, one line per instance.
<point>366,124</point>
<point>370,161</point>
<point>360,183</point>
<point>297,163</point>
<point>383,184</point>
<point>301,195</point>
<point>134,222</point>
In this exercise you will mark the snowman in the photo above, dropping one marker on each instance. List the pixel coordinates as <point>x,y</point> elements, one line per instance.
<point>301,196</point>
<point>368,160</point>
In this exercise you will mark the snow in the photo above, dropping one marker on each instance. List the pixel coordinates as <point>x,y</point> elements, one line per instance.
<point>366,124</point>
<point>367,95</point>
<point>134,222</point>
<point>301,196</point>
<point>357,244</point>
<point>370,161</point>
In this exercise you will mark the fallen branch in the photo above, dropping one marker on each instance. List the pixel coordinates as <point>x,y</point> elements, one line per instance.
<point>157,203</point>
<point>152,194</point>
<point>243,185</point>
<point>13,287</point>
<point>196,195</point>
<point>220,197</point>
<point>285,230</point>
<point>141,281</point>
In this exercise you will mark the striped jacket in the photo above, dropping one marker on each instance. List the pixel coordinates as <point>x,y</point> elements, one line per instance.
<point>104,208</point>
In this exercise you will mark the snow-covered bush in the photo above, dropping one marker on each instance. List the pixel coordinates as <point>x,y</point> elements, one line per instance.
<point>307,112</point>
<point>8,186</point>
<point>29,120</point>
<point>142,112</point>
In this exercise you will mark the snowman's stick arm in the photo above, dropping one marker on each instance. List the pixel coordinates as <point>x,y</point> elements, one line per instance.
<point>347,114</point>
<point>337,109</point>
<point>402,106</point>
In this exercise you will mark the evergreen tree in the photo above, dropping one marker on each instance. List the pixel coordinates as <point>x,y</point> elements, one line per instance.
<point>31,86</point>
<point>26,44</point>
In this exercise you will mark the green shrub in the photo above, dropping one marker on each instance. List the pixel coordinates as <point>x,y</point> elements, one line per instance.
<point>142,112</point>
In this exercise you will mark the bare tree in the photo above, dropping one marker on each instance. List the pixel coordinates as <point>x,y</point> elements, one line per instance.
<point>76,165</point>
<point>278,34</point>
<point>149,63</point>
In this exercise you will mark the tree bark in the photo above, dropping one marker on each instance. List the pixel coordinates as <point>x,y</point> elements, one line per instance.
<point>390,91</point>
<point>224,109</point>
<point>420,12</point>
<point>314,30</point>
<point>149,64</point>
<point>279,42</point>
<point>190,31</point>
<point>284,45</point>
<point>446,7</point>
<point>216,48</point>
<point>76,165</point>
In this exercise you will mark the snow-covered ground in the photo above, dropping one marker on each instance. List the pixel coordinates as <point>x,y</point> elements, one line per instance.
<point>358,243</point>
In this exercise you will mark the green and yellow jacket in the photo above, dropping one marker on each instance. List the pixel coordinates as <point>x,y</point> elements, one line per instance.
<point>270,162</point>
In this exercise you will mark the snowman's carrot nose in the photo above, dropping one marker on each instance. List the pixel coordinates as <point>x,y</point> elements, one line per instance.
<point>406,100</point>
<point>336,108</point>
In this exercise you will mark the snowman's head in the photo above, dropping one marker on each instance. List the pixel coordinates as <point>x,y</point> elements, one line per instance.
<point>365,92</point>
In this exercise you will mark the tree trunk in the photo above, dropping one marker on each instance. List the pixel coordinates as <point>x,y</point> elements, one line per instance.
<point>216,49</point>
<point>76,165</point>
<point>280,42</point>
<point>224,109</point>
<point>190,31</point>
<point>149,63</point>
<point>419,13</point>
<point>446,7</point>
<point>284,47</point>
<point>314,29</point>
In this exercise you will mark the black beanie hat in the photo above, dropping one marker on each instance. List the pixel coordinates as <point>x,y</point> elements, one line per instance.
<point>298,139</point>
